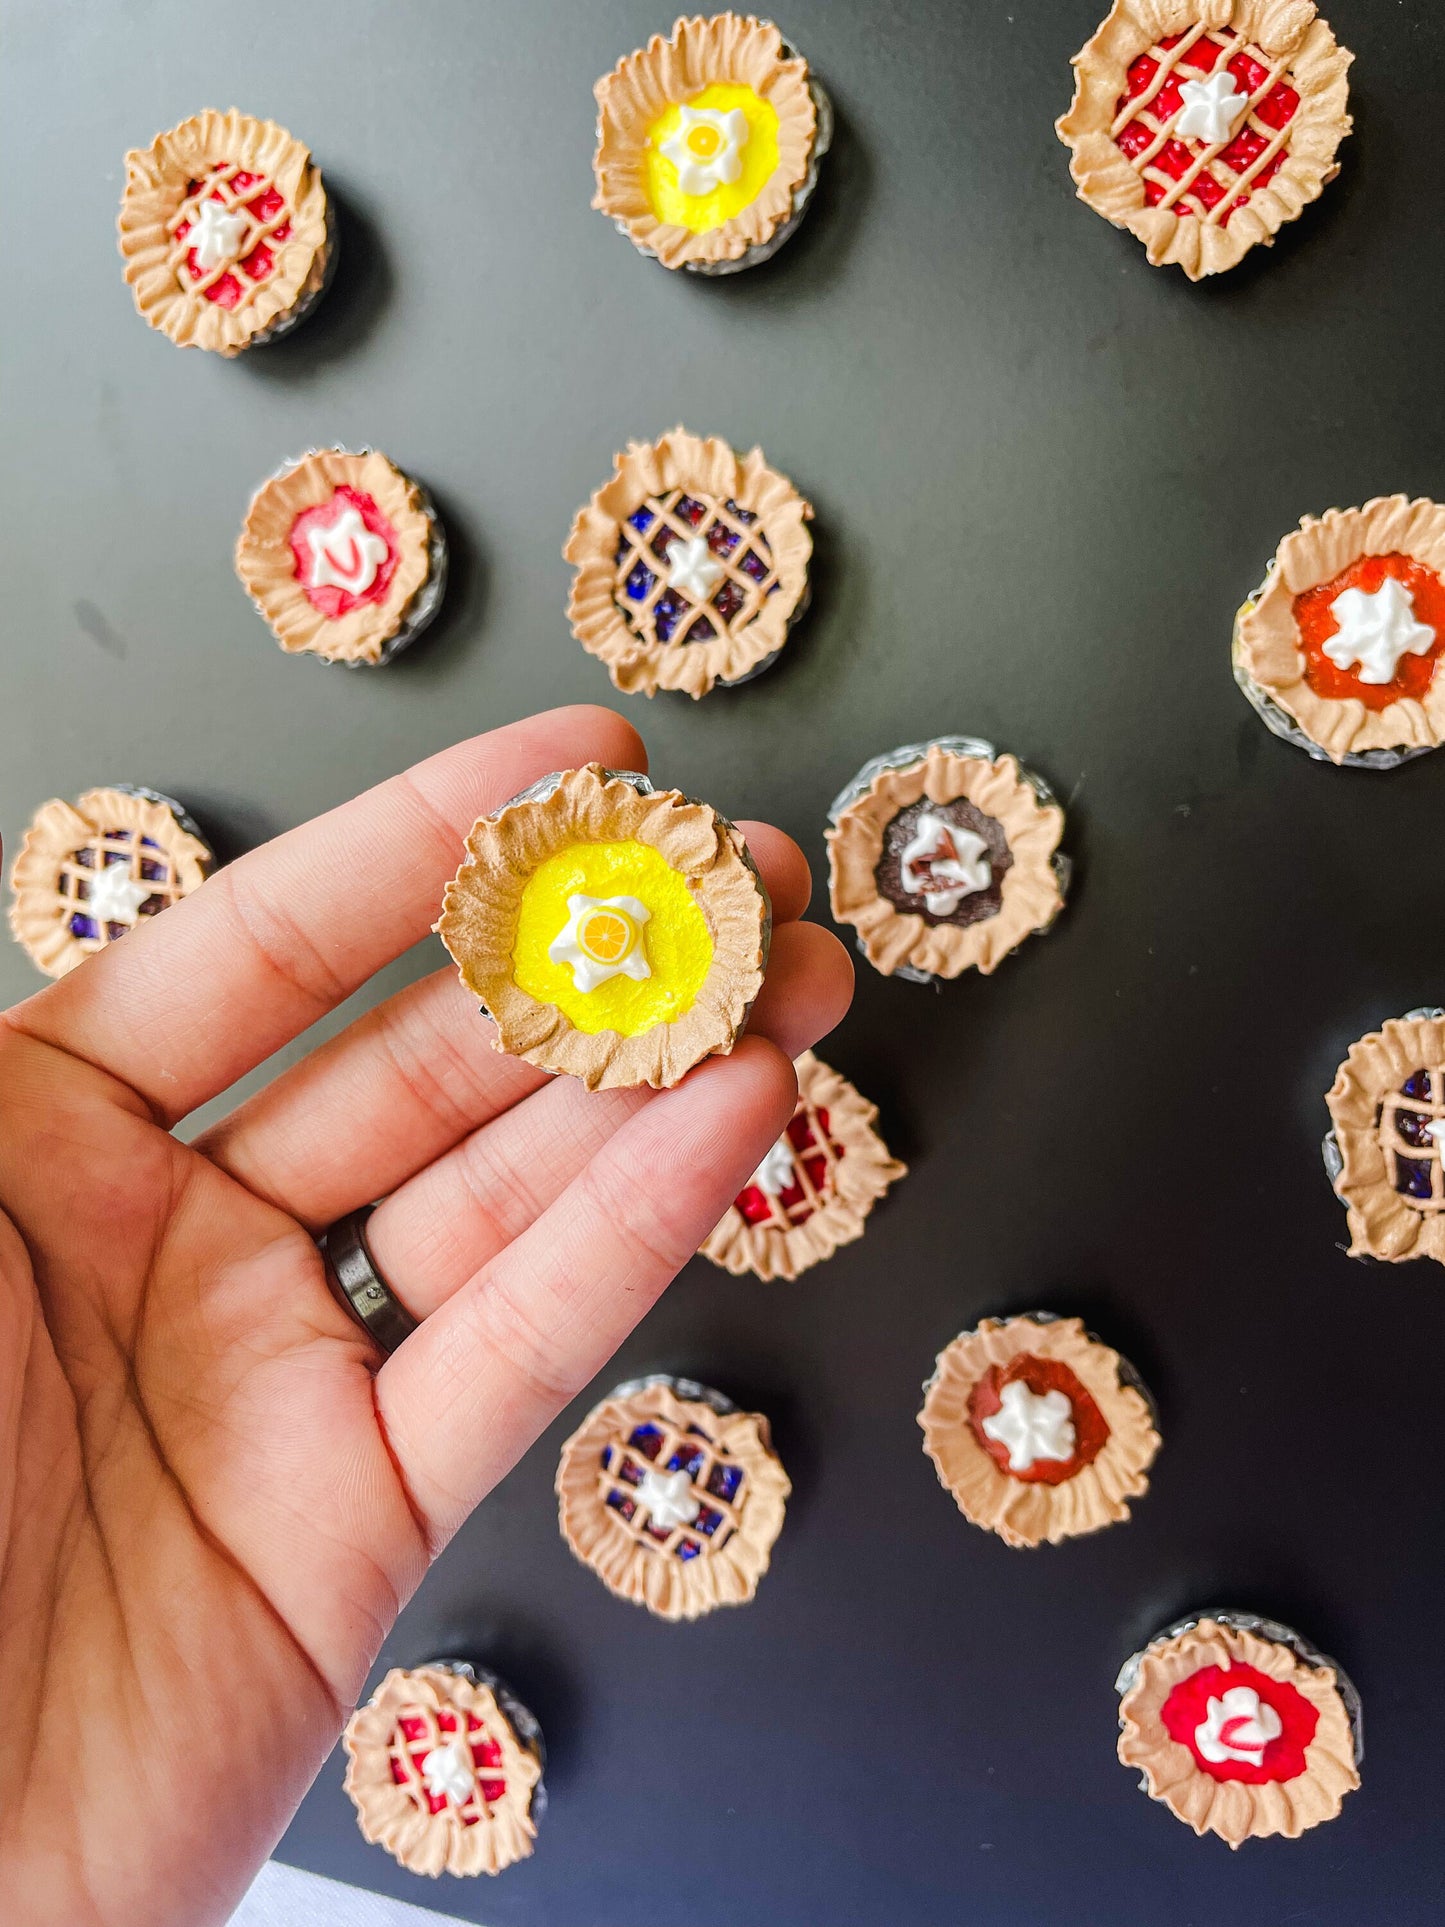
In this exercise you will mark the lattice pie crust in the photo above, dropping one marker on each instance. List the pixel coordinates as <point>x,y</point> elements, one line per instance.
<point>680,1571</point>
<point>663,494</point>
<point>1200,203</point>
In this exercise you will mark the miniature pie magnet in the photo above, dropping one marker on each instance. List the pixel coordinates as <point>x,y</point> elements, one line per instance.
<point>89,871</point>
<point>444,1768</point>
<point>613,931</point>
<point>1038,1429</point>
<point>1339,649</point>
<point>1387,1140</point>
<point>672,1496</point>
<point>690,566</point>
<point>344,556</point>
<point>225,231</point>
<point>944,856</point>
<point>1203,126</point>
<point>1240,1727</point>
<point>816,1186</point>
<point>708,143</point>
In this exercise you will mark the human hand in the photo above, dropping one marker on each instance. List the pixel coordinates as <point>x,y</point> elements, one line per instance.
<point>214,1498</point>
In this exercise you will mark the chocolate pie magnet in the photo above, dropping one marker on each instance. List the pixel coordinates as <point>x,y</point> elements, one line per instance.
<point>944,856</point>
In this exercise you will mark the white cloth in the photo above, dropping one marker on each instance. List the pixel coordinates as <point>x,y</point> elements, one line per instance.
<point>286,1897</point>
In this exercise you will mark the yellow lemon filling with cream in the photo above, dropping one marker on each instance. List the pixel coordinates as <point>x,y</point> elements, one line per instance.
<point>710,157</point>
<point>612,935</point>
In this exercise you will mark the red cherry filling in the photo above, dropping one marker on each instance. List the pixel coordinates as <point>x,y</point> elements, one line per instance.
<point>809,1185</point>
<point>1040,1375</point>
<point>328,598</point>
<point>413,1741</point>
<point>1172,160</point>
<point>1316,625</point>
<point>1187,1710</point>
<point>267,219</point>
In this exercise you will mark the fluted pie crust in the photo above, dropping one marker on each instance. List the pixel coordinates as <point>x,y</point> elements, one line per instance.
<point>101,822</point>
<point>1283,31</point>
<point>726,48</point>
<point>1236,1810</point>
<point>1267,638</point>
<point>856,1180</point>
<point>1032,895</point>
<point>1027,1514</point>
<point>158,179</point>
<point>1383,1224</point>
<point>389,1813</point>
<point>710,471</point>
<point>621,1555</point>
<point>479,925</point>
<point>267,566</point>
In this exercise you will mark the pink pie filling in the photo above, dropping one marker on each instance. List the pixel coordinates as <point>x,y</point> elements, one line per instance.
<point>227,290</point>
<point>329,599</point>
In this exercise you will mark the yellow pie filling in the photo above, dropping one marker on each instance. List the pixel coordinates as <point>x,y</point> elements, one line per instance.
<point>578,925</point>
<point>710,148</point>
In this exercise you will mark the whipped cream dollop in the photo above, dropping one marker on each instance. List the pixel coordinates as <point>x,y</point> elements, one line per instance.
<point>1031,1425</point>
<point>670,1498</point>
<point>706,148</point>
<point>1211,108</point>
<point>115,896</point>
<point>775,1174</point>
<point>944,864</point>
<point>692,568</point>
<point>347,555</point>
<point>215,234</point>
<point>1377,628</point>
<point>447,1772</point>
<point>1239,1725</point>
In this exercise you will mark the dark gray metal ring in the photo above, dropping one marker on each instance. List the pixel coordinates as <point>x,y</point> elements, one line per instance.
<point>354,1278</point>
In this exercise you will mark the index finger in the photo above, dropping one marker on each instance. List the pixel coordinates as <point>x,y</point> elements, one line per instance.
<point>195,998</point>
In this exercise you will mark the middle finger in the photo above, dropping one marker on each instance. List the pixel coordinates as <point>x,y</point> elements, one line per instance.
<point>403,1084</point>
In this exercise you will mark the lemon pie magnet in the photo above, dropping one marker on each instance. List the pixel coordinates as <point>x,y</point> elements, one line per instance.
<point>719,177</point>
<point>613,931</point>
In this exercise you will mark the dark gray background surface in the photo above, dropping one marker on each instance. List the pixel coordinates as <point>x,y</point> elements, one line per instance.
<point>1044,474</point>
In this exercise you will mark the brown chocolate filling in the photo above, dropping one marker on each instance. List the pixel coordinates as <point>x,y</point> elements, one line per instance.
<point>900,833</point>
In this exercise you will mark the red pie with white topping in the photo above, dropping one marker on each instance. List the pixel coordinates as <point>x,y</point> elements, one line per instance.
<point>444,1767</point>
<point>1203,126</point>
<point>1240,1727</point>
<point>1038,1429</point>
<point>1339,649</point>
<point>225,231</point>
<point>344,556</point>
<point>816,1186</point>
